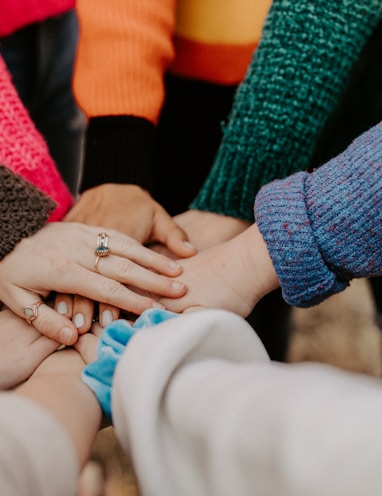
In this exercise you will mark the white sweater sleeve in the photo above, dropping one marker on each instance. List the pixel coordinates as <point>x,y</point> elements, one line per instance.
<point>36,456</point>
<point>202,411</point>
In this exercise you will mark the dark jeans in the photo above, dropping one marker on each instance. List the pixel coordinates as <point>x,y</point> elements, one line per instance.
<point>40,59</point>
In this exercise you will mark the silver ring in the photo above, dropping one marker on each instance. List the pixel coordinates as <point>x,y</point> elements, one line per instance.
<point>102,249</point>
<point>31,311</point>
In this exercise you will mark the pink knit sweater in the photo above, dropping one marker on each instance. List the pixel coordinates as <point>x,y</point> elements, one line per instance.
<point>23,149</point>
<point>16,14</point>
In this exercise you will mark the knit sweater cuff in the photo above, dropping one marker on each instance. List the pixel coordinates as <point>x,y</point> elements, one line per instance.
<point>24,209</point>
<point>118,150</point>
<point>282,218</point>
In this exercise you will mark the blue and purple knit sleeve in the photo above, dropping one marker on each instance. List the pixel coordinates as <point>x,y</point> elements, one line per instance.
<point>325,228</point>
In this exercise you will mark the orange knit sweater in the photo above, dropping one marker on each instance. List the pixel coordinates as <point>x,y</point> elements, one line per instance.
<point>126,47</point>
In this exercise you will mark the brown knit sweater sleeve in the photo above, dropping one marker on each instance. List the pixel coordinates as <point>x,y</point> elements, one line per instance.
<point>24,209</point>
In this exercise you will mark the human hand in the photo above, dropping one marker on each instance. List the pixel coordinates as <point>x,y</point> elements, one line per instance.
<point>131,210</point>
<point>233,275</point>
<point>83,311</point>
<point>60,257</point>
<point>22,349</point>
<point>205,229</point>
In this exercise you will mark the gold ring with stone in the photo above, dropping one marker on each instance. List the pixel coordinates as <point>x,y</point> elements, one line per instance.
<point>31,311</point>
<point>96,263</point>
<point>102,249</point>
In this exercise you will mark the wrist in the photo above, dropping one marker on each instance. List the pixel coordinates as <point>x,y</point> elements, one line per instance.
<point>261,268</point>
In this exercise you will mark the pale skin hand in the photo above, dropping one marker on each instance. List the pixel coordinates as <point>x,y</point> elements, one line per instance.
<point>206,229</point>
<point>131,210</point>
<point>22,349</point>
<point>233,275</point>
<point>60,257</point>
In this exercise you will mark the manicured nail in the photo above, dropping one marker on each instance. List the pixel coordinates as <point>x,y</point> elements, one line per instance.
<point>189,245</point>
<point>62,308</point>
<point>174,265</point>
<point>66,335</point>
<point>79,320</point>
<point>177,285</point>
<point>107,318</point>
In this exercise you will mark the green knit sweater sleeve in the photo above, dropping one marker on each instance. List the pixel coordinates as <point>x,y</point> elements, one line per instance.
<point>295,80</point>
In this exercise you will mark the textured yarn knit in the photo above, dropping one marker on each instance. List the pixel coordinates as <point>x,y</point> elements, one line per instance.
<point>295,80</point>
<point>125,49</point>
<point>23,149</point>
<point>24,209</point>
<point>325,228</point>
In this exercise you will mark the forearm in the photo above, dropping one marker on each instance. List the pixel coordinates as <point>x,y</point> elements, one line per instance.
<point>133,43</point>
<point>324,229</point>
<point>276,121</point>
<point>57,387</point>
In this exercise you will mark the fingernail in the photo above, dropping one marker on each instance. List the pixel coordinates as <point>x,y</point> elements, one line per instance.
<point>177,285</point>
<point>107,318</point>
<point>79,320</point>
<point>62,308</point>
<point>189,245</point>
<point>174,265</point>
<point>66,335</point>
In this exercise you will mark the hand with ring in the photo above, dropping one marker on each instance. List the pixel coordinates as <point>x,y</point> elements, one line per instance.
<point>22,349</point>
<point>62,257</point>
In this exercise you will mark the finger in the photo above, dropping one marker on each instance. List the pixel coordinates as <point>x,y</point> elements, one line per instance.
<point>128,248</point>
<point>128,272</point>
<point>83,312</point>
<point>107,314</point>
<point>45,319</point>
<point>86,346</point>
<point>44,346</point>
<point>106,290</point>
<point>63,304</point>
<point>169,233</point>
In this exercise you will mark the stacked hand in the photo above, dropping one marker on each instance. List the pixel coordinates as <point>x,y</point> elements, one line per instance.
<point>61,257</point>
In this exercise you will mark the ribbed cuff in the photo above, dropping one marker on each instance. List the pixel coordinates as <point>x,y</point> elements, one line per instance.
<point>118,149</point>
<point>282,219</point>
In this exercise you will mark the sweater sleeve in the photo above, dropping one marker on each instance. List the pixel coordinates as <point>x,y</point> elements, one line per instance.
<point>24,151</point>
<point>36,456</point>
<point>325,228</point>
<point>202,411</point>
<point>296,77</point>
<point>124,50</point>
<point>24,209</point>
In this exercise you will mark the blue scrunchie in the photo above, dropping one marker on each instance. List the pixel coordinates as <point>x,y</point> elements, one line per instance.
<point>114,338</point>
